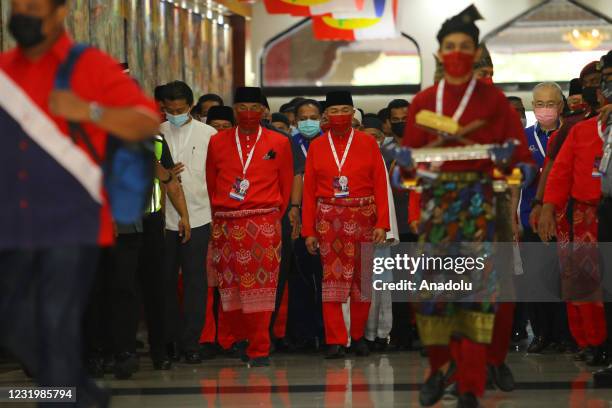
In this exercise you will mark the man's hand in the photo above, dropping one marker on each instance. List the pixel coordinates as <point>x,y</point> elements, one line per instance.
<point>177,169</point>
<point>184,229</point>
<point>534,217</point>
<point>414,227</point>
<point>547,227</point>
<point>312,245</point>
<point>379,236</point>
<point>294,220</point>
<point>67,105</point>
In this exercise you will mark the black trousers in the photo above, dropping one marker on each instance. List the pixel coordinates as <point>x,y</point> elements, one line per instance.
<point>548,318</point>
<point>401,328</point>
<point>43,294</point>
<point>186,327</point>
<point>604,234</point>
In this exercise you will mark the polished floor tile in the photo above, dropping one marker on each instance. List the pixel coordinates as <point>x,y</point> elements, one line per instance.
<point>309,381</point>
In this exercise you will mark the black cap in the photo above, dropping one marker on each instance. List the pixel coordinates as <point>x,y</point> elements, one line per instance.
<point>371,122</point>
<point>248,94</point>
<point>338,98</point>
<point>279,117</point>
<point>462,23</point>
<point>606,61</point>
<point>323,105</point>
<point>220,113</point>
<point>575,87</point>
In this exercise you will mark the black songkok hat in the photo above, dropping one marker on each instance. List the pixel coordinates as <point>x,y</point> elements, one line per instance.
<point>575,87</point>
<point>371,122</point>
<point>248,94</point>
<point>220,113</point>
<point>338,98</point>
<point>462,23</point>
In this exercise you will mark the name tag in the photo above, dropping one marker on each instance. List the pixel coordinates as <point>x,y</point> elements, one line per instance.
<point>239,189</point>
<point>340,186</point>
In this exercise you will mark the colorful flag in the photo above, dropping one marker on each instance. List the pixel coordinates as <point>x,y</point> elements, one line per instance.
<point>285,7</point>
<point>337,6</point>
<point>371,9</point>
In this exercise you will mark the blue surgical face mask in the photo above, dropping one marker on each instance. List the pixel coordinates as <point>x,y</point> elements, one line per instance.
<point>178,120</point>
<point>309,127</point>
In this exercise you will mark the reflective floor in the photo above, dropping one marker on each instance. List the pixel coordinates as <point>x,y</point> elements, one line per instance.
<point>307,380</point>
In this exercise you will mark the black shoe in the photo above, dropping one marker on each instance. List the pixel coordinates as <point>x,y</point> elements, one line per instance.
<point>193,357</point>
<point>603,378</point>
<point>93,365</point>
<point>381,345</point>
<point>538,344</point>
<point>162,364</point>
<point>238,349</point>
<point>173,352</point>
<point>583,354</point>
<point>360,348</point>
<point>208,351</point>
<point>519,335</point>
<point>432,389</point>
<point>259,362</point>
<point>126,364</point>
<point>599,358</point>
<point>468,400</point>
<point>502,377</point>
<point>334,351</point>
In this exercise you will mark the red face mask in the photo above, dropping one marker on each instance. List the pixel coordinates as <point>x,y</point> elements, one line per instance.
<point>325,126</point>
<point>249,120</point>
<point>575,107</point>
<point>458,64</point>
<point>340,123</point>
<point>487,80</point>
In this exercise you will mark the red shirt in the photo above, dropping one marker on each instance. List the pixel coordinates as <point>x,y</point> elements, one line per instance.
<point>574,172</point>
<point>364,167</point>
<point>52,203</point>
<point>270,173</point>
<point>488,103</point>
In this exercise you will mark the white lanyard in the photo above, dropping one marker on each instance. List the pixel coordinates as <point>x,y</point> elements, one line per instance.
<point>464,100</point>
<point>346,150</point>
<point>537,139</point>
<point>179,144</point>
<point>304,150</point>
<point>245,166</point>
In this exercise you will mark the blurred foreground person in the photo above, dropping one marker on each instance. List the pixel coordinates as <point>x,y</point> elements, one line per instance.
<point>56,215</point>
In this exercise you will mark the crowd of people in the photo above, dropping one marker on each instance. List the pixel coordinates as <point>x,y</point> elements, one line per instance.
<point>250,243</point>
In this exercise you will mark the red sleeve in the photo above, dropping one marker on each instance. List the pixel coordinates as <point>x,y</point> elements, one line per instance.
<point>211,171</point>
<point>381,192</point>
<point>113,88</point>
<point>308,196</point>
<point>559,182</point>
<point>414,206</point>
<point>286,173</point>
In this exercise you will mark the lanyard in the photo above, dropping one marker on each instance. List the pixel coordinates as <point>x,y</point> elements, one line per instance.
<point>245,166</point>
<point>346,150</point>
<point>304,150</point>
<point>537,139</point>
<point>464,100</point>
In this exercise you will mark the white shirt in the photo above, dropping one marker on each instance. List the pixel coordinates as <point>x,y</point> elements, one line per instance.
<point>188,145</point>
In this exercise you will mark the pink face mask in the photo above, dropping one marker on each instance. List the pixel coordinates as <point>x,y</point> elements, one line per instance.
<point>547,116</point>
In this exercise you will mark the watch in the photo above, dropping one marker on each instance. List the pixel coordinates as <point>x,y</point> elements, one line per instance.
<point>95,112</point>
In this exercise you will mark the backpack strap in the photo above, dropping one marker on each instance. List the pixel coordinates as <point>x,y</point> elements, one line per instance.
<point>62,82</point>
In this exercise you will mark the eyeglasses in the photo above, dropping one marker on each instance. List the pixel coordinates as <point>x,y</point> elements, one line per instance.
<point>546,104</point>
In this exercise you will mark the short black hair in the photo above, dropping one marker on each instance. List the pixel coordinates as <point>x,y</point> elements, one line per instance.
<point>398,103</point>
<point>210,97</point>
<point>514,99</point>
<point>305,102</point>
<point>159,93</point>
<point>287,108</point>
<point>177,90</point>
<point>280,117</point>
<point>384,114</point>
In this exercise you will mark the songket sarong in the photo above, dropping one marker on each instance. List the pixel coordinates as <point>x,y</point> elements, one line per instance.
<point>246,253</point>
<point>578,253</point>
<point>457,221</point>
<point>342,225</point>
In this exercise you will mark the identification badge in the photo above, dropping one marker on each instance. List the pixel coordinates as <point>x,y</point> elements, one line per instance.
<point>605,160</point>
<point>596,166</point>
<point>340,185</point>
<point>239,189</point>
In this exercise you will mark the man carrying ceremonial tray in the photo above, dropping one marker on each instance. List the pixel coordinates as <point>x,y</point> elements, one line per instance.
<point>458,205</point>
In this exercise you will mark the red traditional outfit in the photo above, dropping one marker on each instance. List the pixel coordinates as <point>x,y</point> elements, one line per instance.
<point>341,224</point>
<point>575,175</point>
<point>246,232</point>
<point>469,350</point>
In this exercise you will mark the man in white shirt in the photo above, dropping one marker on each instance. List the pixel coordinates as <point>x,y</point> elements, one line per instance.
<point>188,142</point>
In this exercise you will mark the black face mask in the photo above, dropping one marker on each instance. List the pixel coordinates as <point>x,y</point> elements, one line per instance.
<point>589,94</point>
<point>398,128</point>
<point>26,30</point>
